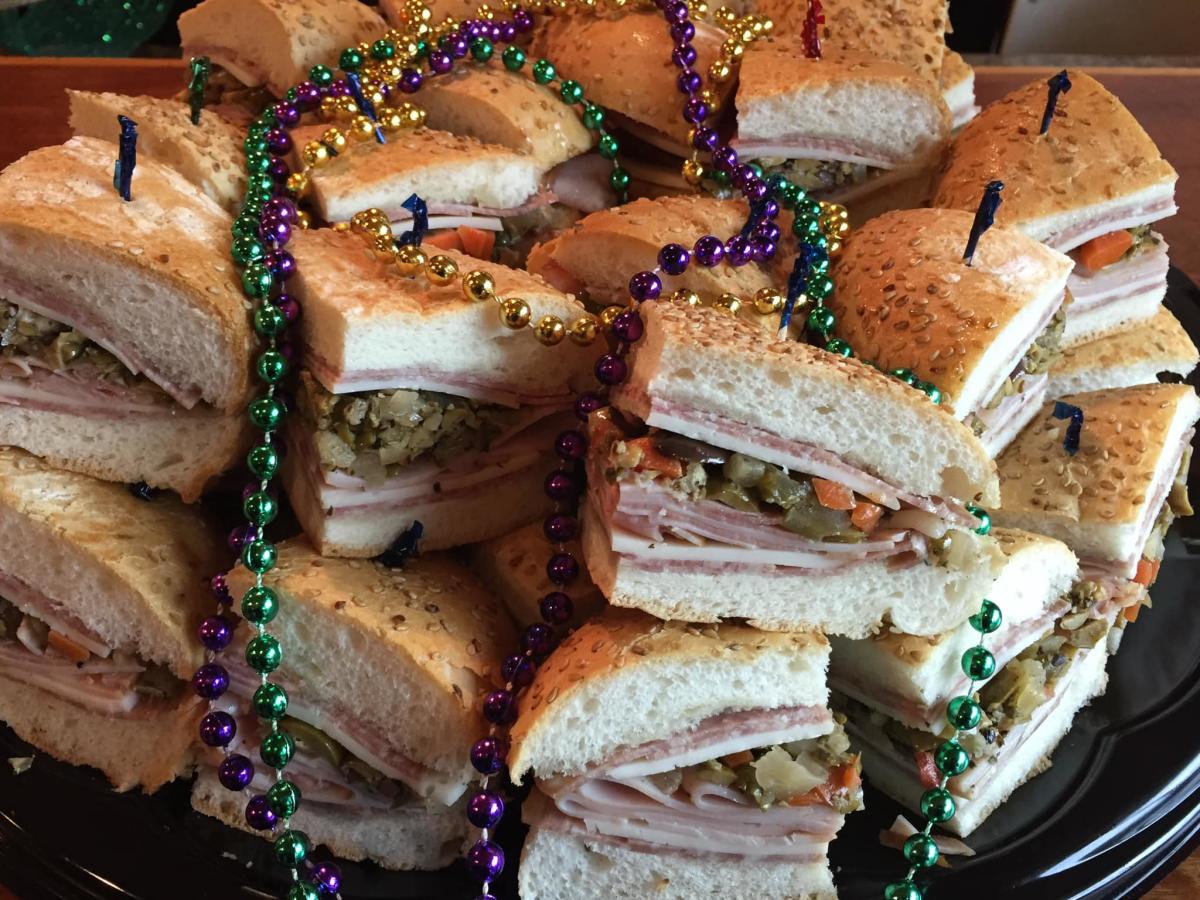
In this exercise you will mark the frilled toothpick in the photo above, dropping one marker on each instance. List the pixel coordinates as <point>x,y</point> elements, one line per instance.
<point>758,212</point>
<point>1058,84</point>
<point>201,68</point>
<point>420,217</point>
<point>404,548</point>
<point>365,106</point>
<point>984,217</point>
<point>126,158</point>
<point>1075,414</point>
<point>809,34</point>
<point>797,282</point>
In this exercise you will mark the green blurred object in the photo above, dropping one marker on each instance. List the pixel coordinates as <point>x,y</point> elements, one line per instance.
<point>82,27</point>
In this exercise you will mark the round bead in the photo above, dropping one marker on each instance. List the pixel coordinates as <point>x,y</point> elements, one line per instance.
<point>937,805</point>
<point>210,681</point>
<point>327,877</point>
<point>557,608</point>
<point>902,890</point>
<point>682,32</point>
<point>487,755</point>
<point>710,250</point>
<point>583,330</point>
<point>260,508</point>
<point>840,347</point>
<point>737,251</point>
<point>562,568</point>
<point>284,798</point>
<point>905,375</point>
<point>410,259</point>
<point>619,179</point>
<point>522,20</point>
<point>270,701</point>
<point>499,707</point>
<point>260,604</point>
<point>628,326</point>
<point>286,114</point>
<point>269,321</point>
<point>517,669</point>
<point>684,56</point>
<point>695,111</point>
<point>235,772</point>
<point>410,81</point>
<point>593,116</point>
<point>240,536</point>
<point>383,50</point>
<point>215,633</point>
<point>514,58</point>
<point>963,713</point>
<point>978,663</point>
<point>988,619</point>
<point>768,301</point>
<point>303,892</point>
<point>259,815</point>
<point>608,146</point>
<point>440,62</point>
<point>549,330</point>
<point>277,749</point>
<point>482,49</point>
<point>485,860</point>
<point>259,556</point>
<point>485,809</point>
<point>217,728</point>
<point>921,850</point>
<point>821,320</point>
<point>247,249</point>
<point>263,654</point>
<point>271,366</point>
<point>820,287</point>
<point>611,369</point>
<point>279,142</point>
<point>257,281</point>
<point>586,404</point>
<point>571,91</point>
<point>730,304</point>
<point>291,847</point>
<point>322,76</point>
<point>441,270</point>
<point>560,486</point>
<point>720,71</point>
<point>674,259</point>
<point>515,313</point>
<point>985,520</point>
<point>932,392</point>
<point>349,60</point>
<point>543,71</point>
<point>645,286</point>
<point>951,759</point>
<point>478,286</point>
<point>570,445</point>
<point>220,589</point>
<point>689,81</point>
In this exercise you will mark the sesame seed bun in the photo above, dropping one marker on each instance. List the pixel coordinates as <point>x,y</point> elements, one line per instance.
<point>1095,159</point>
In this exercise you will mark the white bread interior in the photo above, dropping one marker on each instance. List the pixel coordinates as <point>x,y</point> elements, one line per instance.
<point>1114,317</point>
<point>496,106</point>
<point>150,278</point>
<point>782,92</point>
<point>437,166</point>
<point>1031,758</point>
<point>182,451</point>
<point>1133,356</point>
<point>514,566</point>
<point>920,599</point>
<point>274,44</point>
<point>135,571</point>
<point>209,155</point>
<point>705,360</point>
<point>555,865</point>
<point>1097,501</point>
<point>639,685</point>
<point>361,313</point>
<point>418,647</point>
<point>412,837</point>
<point>1037,571</point>
<point>143,752</point>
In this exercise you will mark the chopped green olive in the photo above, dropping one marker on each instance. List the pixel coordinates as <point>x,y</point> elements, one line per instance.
<point>744,470</point>
<point>730,494</point>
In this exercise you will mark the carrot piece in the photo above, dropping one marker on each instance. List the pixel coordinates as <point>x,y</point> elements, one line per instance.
<point>733,760</point>
<point>477,242</point>
<point>820,794</point>
<point>832,495</point>
<point>866,516</point>
<point>1105,250</point>
<point>67,647</point>
<point>845,777</point>
<point>1147,572</point>
<point>444,240</point>
<point>927,769</point>
<point>1131,612</point>
<point>654,461</point>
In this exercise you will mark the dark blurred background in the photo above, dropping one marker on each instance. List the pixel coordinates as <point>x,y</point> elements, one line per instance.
<point>1152,28</point>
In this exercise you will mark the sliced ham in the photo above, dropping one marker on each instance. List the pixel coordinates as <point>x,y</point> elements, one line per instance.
<point>33,602</point>
<point>1003,422</point>
<point>1120,281</point>
<point>104,687</point>
<point>31,385</point>
<point>804,146</point>
<point>582,183</point>
<point>1129,215</point>
<point>537,201</point>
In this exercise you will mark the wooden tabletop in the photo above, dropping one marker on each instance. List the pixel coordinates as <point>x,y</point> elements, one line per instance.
<point>33,113</point>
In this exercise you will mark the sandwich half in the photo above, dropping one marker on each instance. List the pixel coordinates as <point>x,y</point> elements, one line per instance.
<point>100,597</point>
<point>1137,355</point>
<point>772,481</point>
<point>1050,654</point>
<point>1093,186</point>
<point>273,44</point>
<point>380,738</point>
<point>984,334</point>
<point>124,338</point>
<point>417,404</point>
<point>958,89</point>
<point>842,127</point>
<point>647,787</point>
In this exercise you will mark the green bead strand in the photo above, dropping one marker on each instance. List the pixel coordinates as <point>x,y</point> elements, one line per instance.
<point>284,798</point>
<point>259,556</point>
<point>263,654</point>
<point>544,72</point>
<point>937,805</point>
<point>270,701</point>
<point>821,320</point>
<point>985,520</point>
<point>272,366</point>
<point>277,749</point>
<point>514,58</point>
<point>608,146</point>
<point>951,759</point>
<point>260,508</point>
<point>263,461</point>
<point>978,664</point>
<point>593,116</point>
<point>321,76</point>
<point>571,92</point>
<point>921,850</point>
<point>267,413</point>
<point>963,713</point>
<point>482,49</point>
<point>902,890</point>
<point>350,60</point>
<point>303,891</point>
<point>257,281</point>
<point>291,848</point>
<point>260,605</point>
<point>247,249</point>
<point>988,619</point>
<point>383,50</point>
<point>840,347</point>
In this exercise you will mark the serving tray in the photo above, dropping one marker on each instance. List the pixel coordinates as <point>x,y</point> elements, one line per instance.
<point>1119,807</point>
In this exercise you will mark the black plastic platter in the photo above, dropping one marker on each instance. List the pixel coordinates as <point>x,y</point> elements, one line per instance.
<point>1118,809</point>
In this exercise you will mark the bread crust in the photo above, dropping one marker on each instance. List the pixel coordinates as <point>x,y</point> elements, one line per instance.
<point>171,242</point>
<point>906,299</point>
<point>1094,153</point>
<point>1160,344</point>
